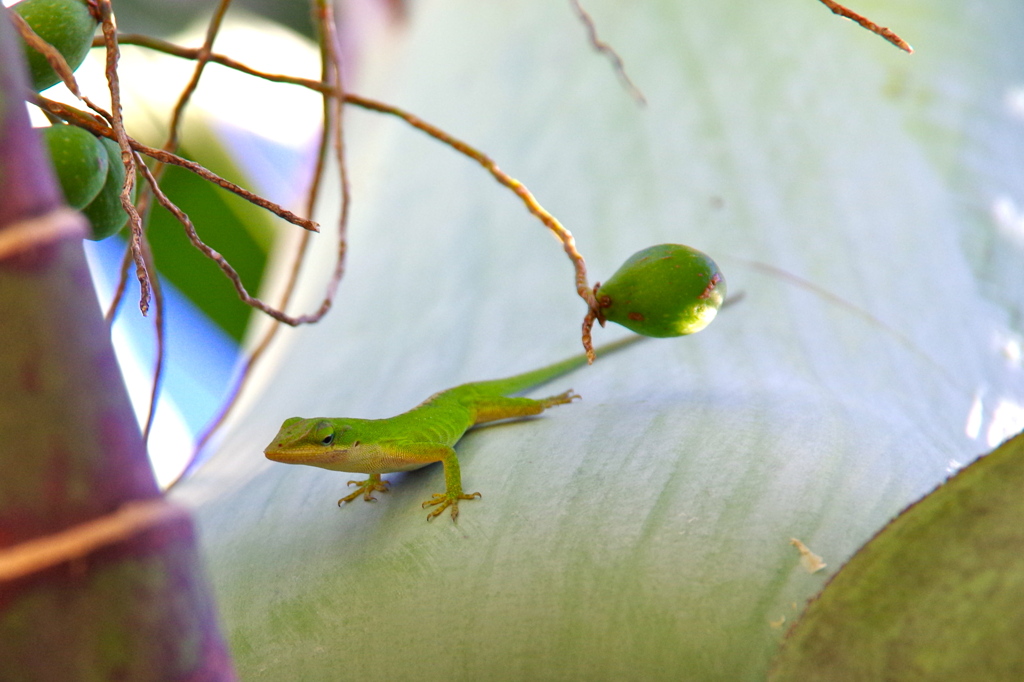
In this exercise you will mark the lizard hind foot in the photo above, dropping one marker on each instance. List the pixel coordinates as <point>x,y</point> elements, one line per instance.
<point>444,501</point>
<point>366,488</point>
<point>560,399</point>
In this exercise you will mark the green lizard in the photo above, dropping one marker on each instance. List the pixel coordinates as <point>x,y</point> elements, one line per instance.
<point>421,436</point>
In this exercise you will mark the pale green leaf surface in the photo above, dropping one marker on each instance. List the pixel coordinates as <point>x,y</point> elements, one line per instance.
<point>642,533</point>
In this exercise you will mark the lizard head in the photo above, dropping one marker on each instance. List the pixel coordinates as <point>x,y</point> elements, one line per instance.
<point>318,442</point>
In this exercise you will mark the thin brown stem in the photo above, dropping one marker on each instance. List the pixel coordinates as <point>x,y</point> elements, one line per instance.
<point>122,284</point>
<point>593,315</point>
<point>193,53</point>
<point>120,135</point>
<point>61,67</point>
<point>171,145</point>
<point>53,57</point>
<point>56,61</point>
<point>868,24</point>
<point>198,169</point>
<point>160,330</point>
<point>608,51</point>
<point>549,221</point>
<point>139,246</point>
<point>563,234</point>
<point>334,121</point>
<point>80,118</point>
<point>221,262</point>
<point>333,129</point>
<point>201,59</point>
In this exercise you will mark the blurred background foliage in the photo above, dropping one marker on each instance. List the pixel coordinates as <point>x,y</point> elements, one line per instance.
<point>163,19</point>
<point>238,229</point>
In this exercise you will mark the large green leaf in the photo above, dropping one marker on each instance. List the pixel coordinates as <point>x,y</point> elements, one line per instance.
<point>645,532</point>
<point>935,596</point>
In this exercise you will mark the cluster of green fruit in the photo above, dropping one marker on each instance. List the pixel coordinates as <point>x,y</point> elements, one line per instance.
<point>663,290</point>
<point>91,175</point>
<point>68,25</point>
<point>89,168</point>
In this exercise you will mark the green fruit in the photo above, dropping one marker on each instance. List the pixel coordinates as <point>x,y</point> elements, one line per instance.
<point>105,212</point>
<point>80,161</point>
<point>68,25</point>
<point>664,290</point>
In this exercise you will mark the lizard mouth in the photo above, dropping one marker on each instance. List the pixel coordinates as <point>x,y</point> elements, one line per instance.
<point>276,455</point>
<point>285,456</point>
<point>313,456</point>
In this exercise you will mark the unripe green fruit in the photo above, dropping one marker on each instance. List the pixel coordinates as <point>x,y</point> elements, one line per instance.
<point>80,161</point>
<point>67,25</point>
<point>105,212</point>
<point>664,290</point>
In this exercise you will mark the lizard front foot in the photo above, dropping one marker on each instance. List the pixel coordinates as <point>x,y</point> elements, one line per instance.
<point>444,500</point>
<point>366,488</point>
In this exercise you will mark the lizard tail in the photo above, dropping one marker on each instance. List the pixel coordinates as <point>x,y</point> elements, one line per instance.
<point>539,377</point>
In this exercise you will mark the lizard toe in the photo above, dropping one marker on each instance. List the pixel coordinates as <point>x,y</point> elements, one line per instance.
<point>365,488</point>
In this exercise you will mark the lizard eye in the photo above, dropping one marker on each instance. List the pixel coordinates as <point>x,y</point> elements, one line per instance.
<point>328,439</point>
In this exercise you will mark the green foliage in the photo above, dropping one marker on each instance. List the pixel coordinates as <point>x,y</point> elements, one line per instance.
<point>664,290</point>
<point>68,25</point>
